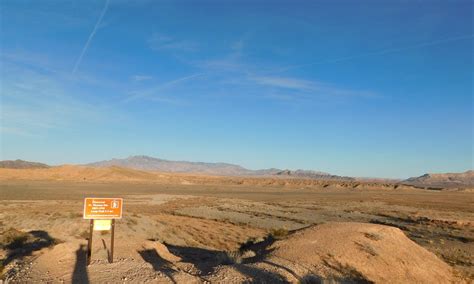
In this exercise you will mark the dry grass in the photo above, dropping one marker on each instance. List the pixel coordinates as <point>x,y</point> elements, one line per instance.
<point>373,236</point>
<point>367,248</point>
<point>83,234</point>
<point>279,233</point>
<point>74,215</point>
<point>131,222</point>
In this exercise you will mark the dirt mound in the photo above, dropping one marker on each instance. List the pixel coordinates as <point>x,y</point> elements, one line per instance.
<point>357,251</point>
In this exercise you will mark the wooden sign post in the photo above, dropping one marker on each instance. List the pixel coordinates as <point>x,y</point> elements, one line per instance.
<point>102,213</point>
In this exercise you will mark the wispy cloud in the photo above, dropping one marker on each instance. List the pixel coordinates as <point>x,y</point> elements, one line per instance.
<point>287,83</point>
<point>15,131</point>
<point>311,87</point>
<point>164,42</point>
<point>377,52</point>
<point>153,91</point>
<point>34,102</point>
<point>231,62</point>
<point>138,78</point>
<point>89,39</point>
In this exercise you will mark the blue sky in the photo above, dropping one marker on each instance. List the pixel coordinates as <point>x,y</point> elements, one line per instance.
<point>359,88</point>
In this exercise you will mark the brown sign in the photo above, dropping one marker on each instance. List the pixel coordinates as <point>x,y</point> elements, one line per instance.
<point>103,208</point>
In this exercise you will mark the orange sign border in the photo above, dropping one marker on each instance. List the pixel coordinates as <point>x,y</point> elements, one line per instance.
<point>102,217</point>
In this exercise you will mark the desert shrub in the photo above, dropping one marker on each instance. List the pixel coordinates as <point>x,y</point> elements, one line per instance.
<point>13,239</point>
<point>278,233</point>
<point>229,257</point>
<point>83,234</point>
<point>74,215</point>
<point>250,242</point>
<point>131,222</point>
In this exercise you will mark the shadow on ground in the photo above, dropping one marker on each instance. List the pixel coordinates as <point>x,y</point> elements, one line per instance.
<point>20,244</point>
<point>158,263</point>
<point>206,261</point>
<point>79,275</point>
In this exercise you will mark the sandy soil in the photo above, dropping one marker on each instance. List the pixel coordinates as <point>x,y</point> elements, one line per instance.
<point>197,233</point>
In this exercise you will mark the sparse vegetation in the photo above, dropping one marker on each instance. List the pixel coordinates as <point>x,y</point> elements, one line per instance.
<point>373,236</point>
<point>131,222</point>
<point>18,244</point>
<point>348,274</point>
<point>12,239</point>
<point>248,243</point>
<point>367,248</point>
<point>279,233</point>
<point>252,226</point>
<point>55,216</point>
<point>83,234</point>
<point>74,215</point>
<point>229,257</point>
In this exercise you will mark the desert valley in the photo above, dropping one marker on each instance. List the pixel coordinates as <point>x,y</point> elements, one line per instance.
<point>199,223</point>
<point>236,141</point>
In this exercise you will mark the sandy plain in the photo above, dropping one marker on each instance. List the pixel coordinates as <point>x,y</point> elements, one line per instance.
<point>181,233</point>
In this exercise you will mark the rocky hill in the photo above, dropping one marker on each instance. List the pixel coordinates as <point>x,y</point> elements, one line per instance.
<point>444,180</point>
<point>20,164</point>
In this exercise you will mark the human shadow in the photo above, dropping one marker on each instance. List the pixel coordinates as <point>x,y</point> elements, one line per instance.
<point>79,275</point>
<point>26,243</point>
<point>158,263</point>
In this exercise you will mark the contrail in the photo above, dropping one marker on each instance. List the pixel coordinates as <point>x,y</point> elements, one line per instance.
<point>137,95</point>
<point>378,52</point>
<point>84,49</point>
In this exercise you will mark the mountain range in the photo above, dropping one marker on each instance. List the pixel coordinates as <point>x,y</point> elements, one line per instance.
<point>222,169</point>
<point>146,163</point>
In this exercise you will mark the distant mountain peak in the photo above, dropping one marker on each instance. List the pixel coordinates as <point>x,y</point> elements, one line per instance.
<point>21,164</point>
<point>143,162</point>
